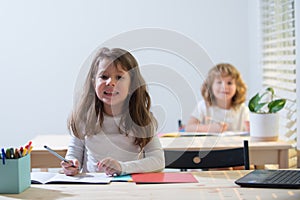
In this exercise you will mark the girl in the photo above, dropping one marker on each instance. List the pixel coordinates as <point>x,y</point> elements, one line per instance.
<point>223,108</point>
<point>112,125</point>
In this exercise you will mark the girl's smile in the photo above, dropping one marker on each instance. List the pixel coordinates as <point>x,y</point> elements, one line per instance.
<point>110,93</point>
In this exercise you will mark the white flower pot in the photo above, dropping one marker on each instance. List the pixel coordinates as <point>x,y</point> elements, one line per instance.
<point>264,127</point>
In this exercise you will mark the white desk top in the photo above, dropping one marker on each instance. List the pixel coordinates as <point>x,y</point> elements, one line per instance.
<point>218,142</point>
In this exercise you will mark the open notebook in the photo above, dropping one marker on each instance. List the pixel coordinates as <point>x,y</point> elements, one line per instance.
<point>48,177</point>
<point>271,179</point>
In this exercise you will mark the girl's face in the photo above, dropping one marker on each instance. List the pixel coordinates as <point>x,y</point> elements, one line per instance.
<point>112,85</point>
<point>224,88</point>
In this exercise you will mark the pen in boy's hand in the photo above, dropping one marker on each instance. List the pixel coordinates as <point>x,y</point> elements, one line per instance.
<point>57,155</point>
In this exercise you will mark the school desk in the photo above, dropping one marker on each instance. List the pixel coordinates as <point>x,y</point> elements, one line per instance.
<point>261,153</point>
<point>212,185</point>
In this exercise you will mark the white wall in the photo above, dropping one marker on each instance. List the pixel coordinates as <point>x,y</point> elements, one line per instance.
<point>44,44</point>
<point>254,72</point>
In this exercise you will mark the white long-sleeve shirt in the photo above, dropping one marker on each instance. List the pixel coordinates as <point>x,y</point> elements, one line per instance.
<point>234,118</point>
<point>110,143</point>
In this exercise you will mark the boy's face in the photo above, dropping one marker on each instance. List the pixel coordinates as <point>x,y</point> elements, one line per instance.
<point>224,88</point>
<point>112,85</point>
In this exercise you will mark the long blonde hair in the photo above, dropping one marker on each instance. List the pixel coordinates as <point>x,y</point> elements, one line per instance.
<point>222,70</point>
<point>88,114</point>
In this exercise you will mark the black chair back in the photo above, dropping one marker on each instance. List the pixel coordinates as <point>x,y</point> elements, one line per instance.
<point>208,159</point>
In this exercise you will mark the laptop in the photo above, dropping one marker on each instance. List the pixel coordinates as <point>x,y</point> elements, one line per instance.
<point>271,179</point>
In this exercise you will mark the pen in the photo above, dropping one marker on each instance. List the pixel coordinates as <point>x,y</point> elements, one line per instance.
<point>57,155</point>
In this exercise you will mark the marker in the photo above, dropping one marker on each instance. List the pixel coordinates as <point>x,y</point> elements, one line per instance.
<point>17,153</point>
<point>3,156</point>
<point>28,145</point>
<point>57,155</point>
<point>21,151</point>
<point>8,153</point>
<point>180,126</point>
<point>12,153</point>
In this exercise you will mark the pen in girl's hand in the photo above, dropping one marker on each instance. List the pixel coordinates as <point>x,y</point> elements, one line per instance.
<point>57,155</point>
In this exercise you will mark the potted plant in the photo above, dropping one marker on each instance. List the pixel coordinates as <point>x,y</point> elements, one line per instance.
<point>264,118</point>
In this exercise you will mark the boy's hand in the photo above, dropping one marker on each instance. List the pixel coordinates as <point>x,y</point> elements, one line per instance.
<point>217,127</point>
<point>247,126</point>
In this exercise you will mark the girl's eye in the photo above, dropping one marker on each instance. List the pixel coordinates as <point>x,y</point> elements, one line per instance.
<point>104,77</point>
<point>120,77</point>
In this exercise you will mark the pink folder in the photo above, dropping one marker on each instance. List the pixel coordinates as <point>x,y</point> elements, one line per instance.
<point>161,177</point>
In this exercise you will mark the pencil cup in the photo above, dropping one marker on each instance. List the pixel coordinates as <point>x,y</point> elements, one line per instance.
<point>15,175</point>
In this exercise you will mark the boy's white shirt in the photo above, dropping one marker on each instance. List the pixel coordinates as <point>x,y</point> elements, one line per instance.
<point>110,143</point>
<point>235,118</point>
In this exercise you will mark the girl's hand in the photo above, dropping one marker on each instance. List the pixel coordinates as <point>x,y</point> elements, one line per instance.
<point>71,168</point>
<point>110,166</point>
<point>217,127</point>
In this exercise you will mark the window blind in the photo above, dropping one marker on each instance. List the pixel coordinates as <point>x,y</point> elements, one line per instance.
<point>279,62</point>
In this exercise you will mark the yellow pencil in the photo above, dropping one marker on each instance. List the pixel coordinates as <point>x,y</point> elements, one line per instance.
<point>24,152</point>
<point>30,149</point>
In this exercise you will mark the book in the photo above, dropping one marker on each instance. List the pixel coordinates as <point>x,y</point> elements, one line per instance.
<point>51,178</point>
<point>164,177</point>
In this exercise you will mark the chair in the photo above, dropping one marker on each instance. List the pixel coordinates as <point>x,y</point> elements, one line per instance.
<point>205,160</point>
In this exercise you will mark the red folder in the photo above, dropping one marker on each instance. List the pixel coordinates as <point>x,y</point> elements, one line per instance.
<point>161,177</point>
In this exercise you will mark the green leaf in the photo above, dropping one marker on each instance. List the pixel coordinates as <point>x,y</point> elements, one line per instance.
<point>276,105</point>
<point>259,106</point>
<point>253,102</point>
